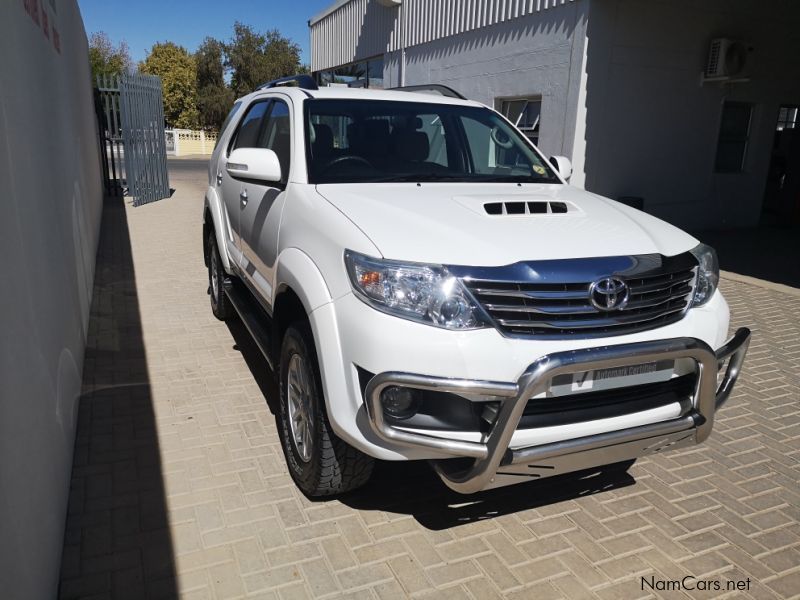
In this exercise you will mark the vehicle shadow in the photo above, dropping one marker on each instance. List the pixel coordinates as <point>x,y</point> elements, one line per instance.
<point>436,507</point>
<point>255,361</point>
<point>433,504</point>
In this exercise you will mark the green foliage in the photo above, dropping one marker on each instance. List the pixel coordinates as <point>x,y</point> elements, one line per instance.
<point>105,59</point>
<point>178,72</point>
<point>254,58</point>
<point>194,85</point>
<point>214,97</point>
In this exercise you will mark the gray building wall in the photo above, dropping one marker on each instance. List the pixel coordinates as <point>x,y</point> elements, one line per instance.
<point>532,55</point>
<point>51,208</point>
<point>651,128</point>
<point>485,49</point>
<point>350,30</point>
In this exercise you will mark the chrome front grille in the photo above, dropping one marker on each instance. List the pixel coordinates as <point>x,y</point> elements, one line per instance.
<point>552,298</point>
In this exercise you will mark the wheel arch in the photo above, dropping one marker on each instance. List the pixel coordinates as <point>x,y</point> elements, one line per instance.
<point>213,220</point>
<point>300,289</point>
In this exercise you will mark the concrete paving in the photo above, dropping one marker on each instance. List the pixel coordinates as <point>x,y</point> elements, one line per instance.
<point>179,484</point>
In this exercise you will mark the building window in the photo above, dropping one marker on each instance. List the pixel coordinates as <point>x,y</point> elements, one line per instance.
<point>788,117</point>
<point>525,113</point>
<point>375,72</point>
<point>367,73</point>
<point>734,133</point>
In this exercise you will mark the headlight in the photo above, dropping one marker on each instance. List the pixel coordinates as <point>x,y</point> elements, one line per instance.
<point>424,293</point>
<point>707,274</point>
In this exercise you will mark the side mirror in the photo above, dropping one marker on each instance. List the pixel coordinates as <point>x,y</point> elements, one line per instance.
<point>254,163</point>
<point>563,166</point>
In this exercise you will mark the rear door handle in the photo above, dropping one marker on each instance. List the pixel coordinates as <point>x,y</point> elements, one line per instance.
<point>243,197</point>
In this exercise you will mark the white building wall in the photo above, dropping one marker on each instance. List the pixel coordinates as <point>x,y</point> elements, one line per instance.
<point>51,207</point>
<point>650,128</point>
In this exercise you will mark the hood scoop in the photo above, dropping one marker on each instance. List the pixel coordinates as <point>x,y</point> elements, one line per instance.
<point>537,207</point>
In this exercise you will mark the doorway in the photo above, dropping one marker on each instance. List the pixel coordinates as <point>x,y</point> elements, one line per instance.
<point>782,191</point>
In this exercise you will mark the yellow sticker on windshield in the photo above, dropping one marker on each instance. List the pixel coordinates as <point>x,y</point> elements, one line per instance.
<point>539,169</point>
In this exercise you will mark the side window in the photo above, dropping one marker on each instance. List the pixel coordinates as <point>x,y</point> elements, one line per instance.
<point>227,121</point>
<point>250,127</point>
<point>437,142</point>
<point>276,136</point>
<point>480,145</point>
<point>494,152</point>
<point>492,148</point>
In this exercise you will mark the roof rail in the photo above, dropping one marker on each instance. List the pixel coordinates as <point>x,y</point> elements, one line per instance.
<point>431,88</point>
<point>305,82</point>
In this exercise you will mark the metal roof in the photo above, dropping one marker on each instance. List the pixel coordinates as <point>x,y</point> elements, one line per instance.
<point>326,11</point>
<point>351,30</point>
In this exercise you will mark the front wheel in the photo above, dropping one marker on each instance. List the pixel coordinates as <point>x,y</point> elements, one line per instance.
<point>320,463</point>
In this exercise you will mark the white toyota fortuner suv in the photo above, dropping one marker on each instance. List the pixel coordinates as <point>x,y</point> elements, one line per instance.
<point>426,285</point>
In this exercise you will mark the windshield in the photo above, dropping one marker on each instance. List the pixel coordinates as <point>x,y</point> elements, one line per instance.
<point>360,141</point>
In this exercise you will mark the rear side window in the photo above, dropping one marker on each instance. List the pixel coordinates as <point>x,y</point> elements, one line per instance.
<point>250,127</point>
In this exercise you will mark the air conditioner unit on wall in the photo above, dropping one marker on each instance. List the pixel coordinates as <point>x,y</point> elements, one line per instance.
<point>726,59</point>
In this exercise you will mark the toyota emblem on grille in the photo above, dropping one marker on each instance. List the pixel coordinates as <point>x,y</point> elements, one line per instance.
<point>609,293</point>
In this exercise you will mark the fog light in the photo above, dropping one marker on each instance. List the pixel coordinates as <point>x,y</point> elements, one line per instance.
<point>400,402</point>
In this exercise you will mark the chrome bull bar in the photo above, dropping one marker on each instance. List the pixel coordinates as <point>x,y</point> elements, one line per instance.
<point>568,455</point>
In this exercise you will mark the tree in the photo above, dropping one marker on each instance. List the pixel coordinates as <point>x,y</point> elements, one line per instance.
<point>178,73</point>
<point>214,97</point>
<point>105,59</point>
<point>254,58</point>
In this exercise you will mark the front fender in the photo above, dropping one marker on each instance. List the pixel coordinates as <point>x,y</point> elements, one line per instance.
<point>213,204</point>
<point>297,271</point>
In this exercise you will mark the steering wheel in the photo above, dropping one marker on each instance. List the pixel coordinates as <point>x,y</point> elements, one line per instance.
<point>349,157</point>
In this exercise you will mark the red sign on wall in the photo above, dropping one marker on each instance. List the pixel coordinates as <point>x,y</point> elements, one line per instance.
<point>40,16</point>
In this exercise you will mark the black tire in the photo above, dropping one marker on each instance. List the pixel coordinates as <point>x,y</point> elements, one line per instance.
<point>220,304</point>
<point>331,466</point>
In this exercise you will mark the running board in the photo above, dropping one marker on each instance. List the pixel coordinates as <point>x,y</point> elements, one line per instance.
<point>253,316</point>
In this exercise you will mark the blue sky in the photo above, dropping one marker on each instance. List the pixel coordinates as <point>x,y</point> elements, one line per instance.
<point>187,22</point>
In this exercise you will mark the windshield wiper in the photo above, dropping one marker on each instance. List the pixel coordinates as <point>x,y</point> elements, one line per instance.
<point>517,179</point>
<point>418,177</point>
<point>460,177</point>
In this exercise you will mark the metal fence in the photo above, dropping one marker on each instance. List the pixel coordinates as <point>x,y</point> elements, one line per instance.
<point>106,96</point>
<point>143,135</point>
<point>131,118</point>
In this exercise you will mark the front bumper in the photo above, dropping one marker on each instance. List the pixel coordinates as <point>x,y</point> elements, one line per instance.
<point>495,464</point>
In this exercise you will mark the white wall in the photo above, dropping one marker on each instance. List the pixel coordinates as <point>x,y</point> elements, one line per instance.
<point>51,206</point>
<point>650,127</point>
<point>532,55</point>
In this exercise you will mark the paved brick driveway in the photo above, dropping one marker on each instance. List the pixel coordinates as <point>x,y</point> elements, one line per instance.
<point>179,484</point>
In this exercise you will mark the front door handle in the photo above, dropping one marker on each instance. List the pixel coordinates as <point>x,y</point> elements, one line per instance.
<point>219,177</point>
<point>243,197</point>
